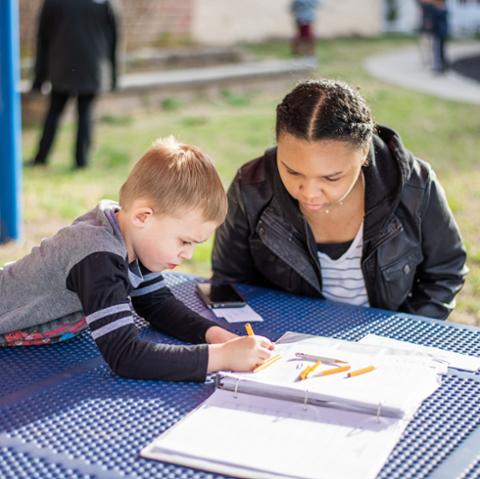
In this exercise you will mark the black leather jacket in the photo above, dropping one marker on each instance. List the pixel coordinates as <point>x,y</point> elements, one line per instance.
<point>413,255</point>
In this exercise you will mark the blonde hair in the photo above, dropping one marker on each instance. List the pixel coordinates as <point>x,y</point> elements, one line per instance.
<point>176,177</point>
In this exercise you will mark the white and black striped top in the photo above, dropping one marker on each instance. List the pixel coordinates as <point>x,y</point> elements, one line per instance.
<point>343,277</point>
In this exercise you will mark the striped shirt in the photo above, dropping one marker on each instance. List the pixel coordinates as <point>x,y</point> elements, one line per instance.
<point>342,278</point>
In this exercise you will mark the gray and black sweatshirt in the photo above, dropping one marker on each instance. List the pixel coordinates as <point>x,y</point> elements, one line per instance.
<point>83,271</point>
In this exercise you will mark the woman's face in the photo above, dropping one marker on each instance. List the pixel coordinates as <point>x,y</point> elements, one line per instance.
<point>318,174</point>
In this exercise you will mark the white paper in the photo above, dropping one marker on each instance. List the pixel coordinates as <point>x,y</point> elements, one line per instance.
<point>237,315</point>
<point>254,437</point>
<point>452,360</point>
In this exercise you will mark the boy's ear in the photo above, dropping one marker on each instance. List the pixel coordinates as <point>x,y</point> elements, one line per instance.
<point>141,215</point>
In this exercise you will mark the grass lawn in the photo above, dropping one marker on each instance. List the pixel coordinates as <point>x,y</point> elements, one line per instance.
<point>236,127</point>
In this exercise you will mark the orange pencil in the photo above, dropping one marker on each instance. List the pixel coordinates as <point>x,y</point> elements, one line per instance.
<point>267,363</point>
<point>340,369</point>
<point>249,329</point>
<point>357,372</point>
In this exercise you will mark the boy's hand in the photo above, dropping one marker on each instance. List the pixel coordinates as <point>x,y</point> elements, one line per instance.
<point>216,334</point>
<point>239,354</point>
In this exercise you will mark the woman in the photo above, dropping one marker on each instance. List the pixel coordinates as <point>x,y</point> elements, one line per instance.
<point>341,210</point>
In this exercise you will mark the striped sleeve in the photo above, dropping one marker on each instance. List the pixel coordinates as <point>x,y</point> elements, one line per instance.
<point>109,319</point>
<point>153,300</point>
<point>101,282</point>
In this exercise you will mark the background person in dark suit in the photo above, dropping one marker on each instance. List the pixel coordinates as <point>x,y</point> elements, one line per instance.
<point>76,53</point>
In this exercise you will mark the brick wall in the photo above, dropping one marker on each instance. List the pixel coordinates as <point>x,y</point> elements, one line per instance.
<point>143,22</point>
<point>147,22</point>
<point>28,24</point>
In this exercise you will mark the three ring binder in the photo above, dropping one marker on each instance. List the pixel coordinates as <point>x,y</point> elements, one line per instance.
<point>360,417</point>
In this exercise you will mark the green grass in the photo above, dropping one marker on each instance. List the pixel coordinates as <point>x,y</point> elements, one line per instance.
<point>235,127</point>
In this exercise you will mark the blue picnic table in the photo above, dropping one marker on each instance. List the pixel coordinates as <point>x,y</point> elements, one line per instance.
<point>63,414</point>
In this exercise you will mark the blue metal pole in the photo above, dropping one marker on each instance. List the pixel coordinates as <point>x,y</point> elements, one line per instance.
<point>10,128</point>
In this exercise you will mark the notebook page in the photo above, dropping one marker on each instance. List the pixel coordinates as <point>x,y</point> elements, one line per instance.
<point>453,360</point>
<point>257,437</point>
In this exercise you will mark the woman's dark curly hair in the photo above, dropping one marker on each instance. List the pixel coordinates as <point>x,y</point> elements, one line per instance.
<point>325,110</point>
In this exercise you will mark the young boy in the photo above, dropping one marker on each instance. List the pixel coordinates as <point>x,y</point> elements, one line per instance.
<point>106,267</point>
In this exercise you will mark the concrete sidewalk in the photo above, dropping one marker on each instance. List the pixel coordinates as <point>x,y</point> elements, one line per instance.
<point>138,91</point>
<point>239,72</point>
<point>405,68</point>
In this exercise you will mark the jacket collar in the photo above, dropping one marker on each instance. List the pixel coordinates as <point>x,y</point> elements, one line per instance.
<point>385,175</point>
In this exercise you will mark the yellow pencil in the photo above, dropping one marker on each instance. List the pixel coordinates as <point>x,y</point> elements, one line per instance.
<point>267,363</point>
<point>304,374</point>
<point>340,369</point>
<point>249,329</point>
<point>357,372</point>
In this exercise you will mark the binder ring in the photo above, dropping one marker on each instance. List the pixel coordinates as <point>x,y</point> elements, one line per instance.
<point>235,391</point>
<point>305,400</point>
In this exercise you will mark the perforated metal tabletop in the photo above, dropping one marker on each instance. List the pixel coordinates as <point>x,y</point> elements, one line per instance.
<point>63,414</point>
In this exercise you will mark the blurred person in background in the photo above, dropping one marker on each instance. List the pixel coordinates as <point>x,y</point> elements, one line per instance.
<point>425,31</point>
<point>439,35</point>
<point>304,12</point>
<point>76,53</point>
<point>434,33</point>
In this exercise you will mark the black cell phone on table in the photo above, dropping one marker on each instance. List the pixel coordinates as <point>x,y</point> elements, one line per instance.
<point>221,295</point>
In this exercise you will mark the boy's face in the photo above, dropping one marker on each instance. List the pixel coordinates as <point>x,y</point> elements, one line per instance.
<point>163,241</point>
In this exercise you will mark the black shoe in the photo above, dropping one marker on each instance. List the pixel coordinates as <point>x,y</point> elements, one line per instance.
<point>34,164</point>
<point>82,166</point>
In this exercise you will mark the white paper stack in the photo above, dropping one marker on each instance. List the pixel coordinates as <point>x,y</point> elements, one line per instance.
<point>452,360</point>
